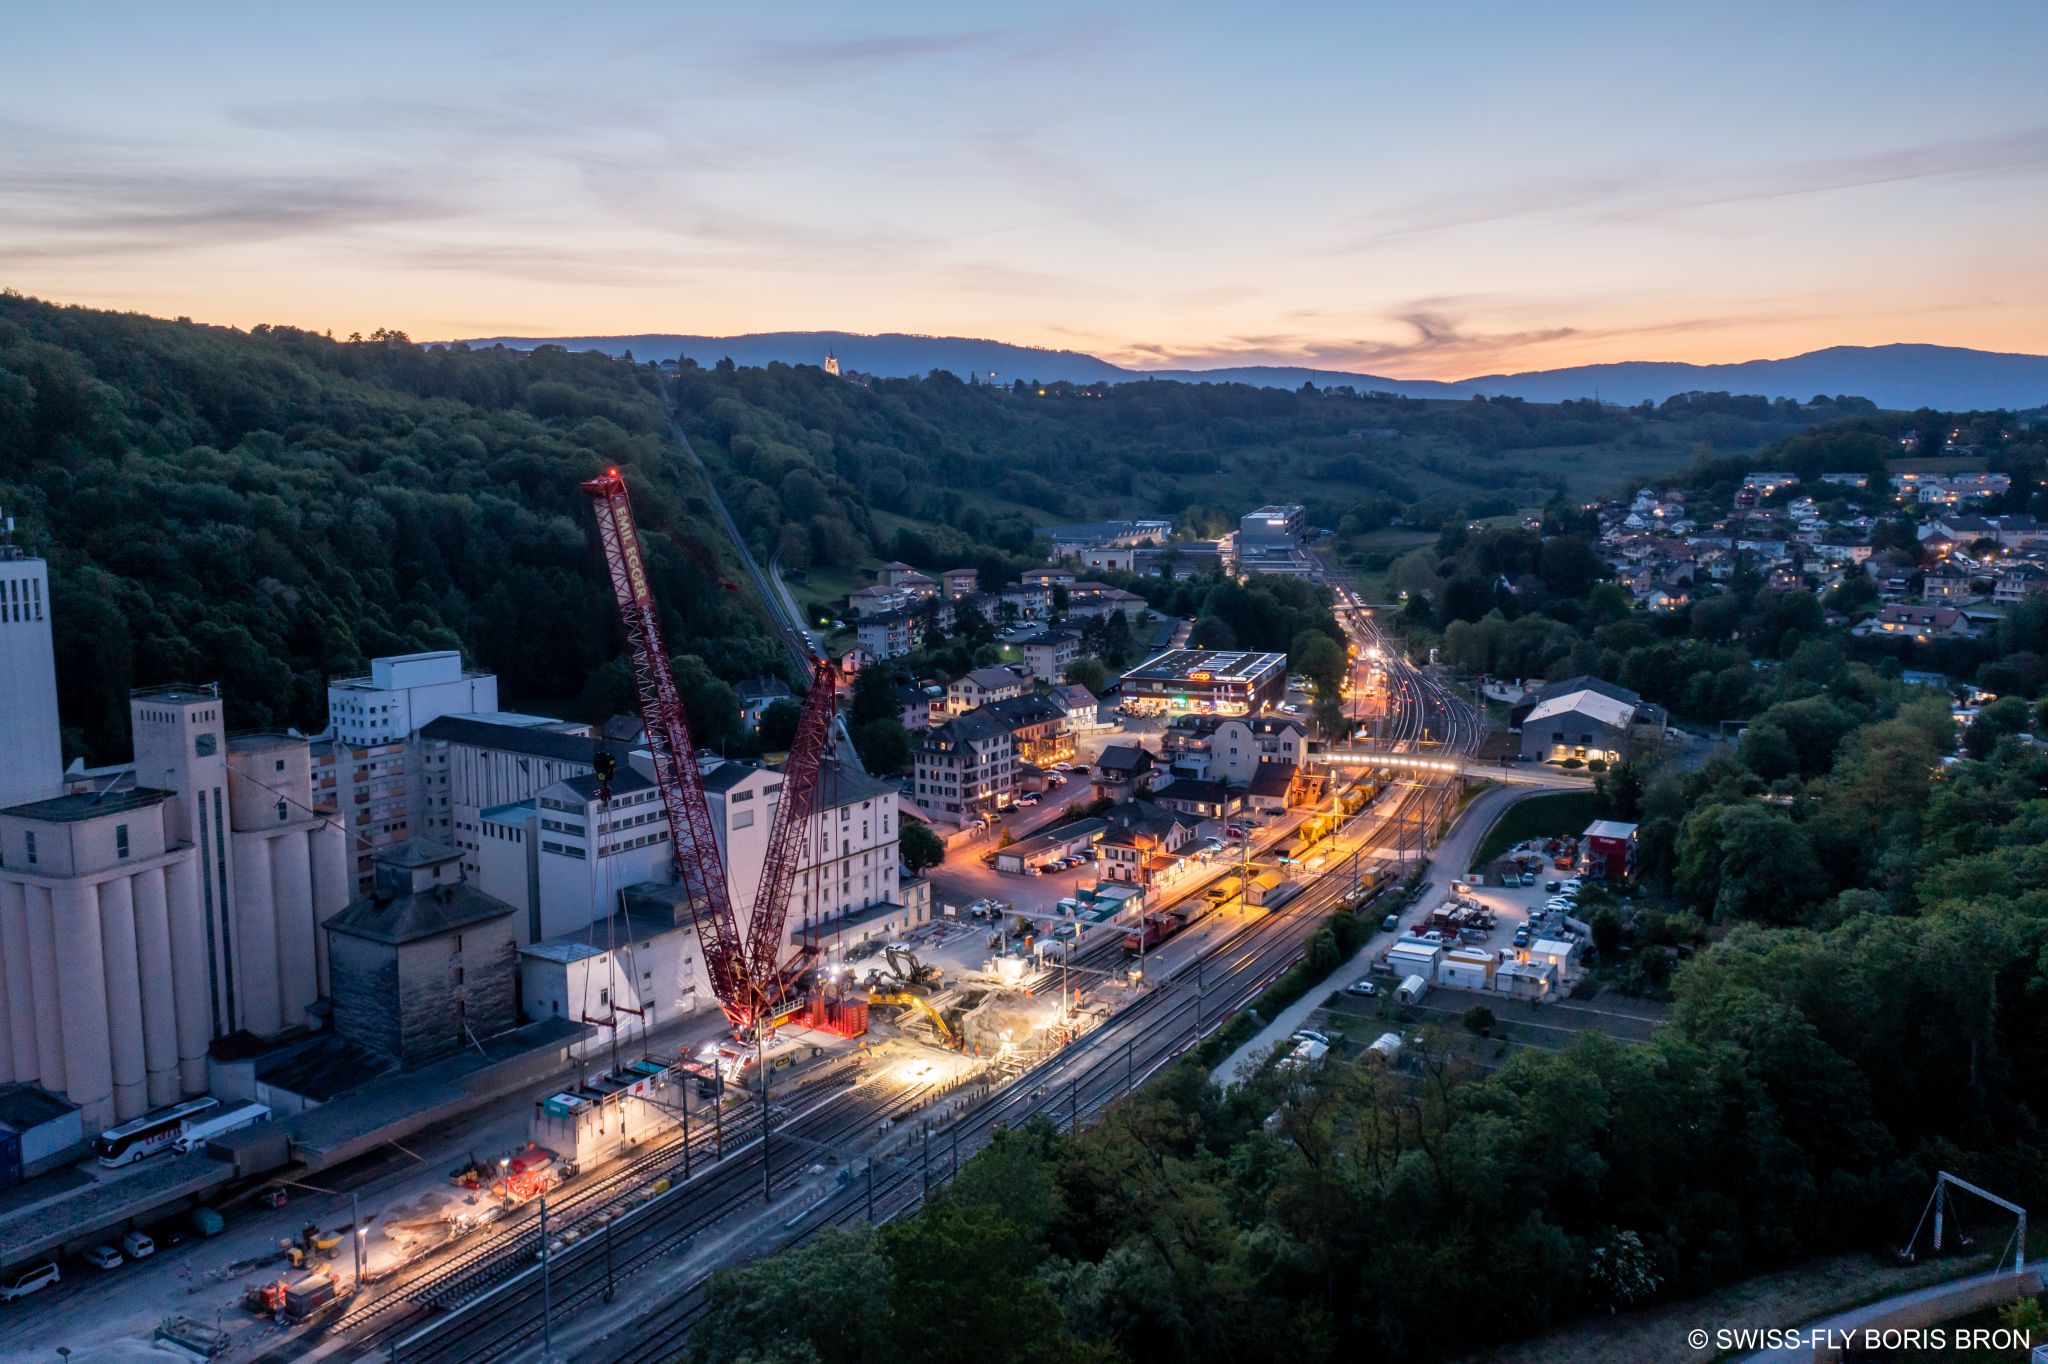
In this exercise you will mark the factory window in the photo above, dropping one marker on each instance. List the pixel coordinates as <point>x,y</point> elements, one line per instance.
<point>31,849</point>
<point>284,811</point>
<point>743,819</point>
<point>120,840</point>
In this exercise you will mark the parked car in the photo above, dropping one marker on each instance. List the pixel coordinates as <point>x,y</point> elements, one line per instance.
<point>1034,871</point>
<point>1522,936</point>
<point>103,1257</point>
<point>1062,767</point>
<point>1029,798</point>
<point>1553,886</point>
<point>1088,854</point>
<point>137,1245</point>
<point>1390,923</point>
<point>23,1280</point>
<point>1363,987</point>
<point>1311,1035</point>
<point>1079,769</point>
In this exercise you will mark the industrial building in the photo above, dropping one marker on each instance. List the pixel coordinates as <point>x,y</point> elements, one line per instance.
<point>1272,530</point>
<point>1226,683</point>
<point>496,761</point>
<point>426,964</point>
<point>31,760</point>
<point>163,908</point>
<point>1586,719</point>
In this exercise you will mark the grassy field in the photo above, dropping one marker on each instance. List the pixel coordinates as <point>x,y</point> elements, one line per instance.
<point>1568,812</point>
<point>821,586</point>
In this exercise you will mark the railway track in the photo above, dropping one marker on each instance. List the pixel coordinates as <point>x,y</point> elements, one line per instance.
<point>510,1319</point>
<point>1069,1089</point>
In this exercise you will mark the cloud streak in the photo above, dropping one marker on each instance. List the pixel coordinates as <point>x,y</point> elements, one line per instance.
<point>1642,193</point>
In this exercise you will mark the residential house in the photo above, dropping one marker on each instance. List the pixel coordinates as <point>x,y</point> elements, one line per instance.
<point>1026,600</point>
<point>961,583</point>
<point>971,691</point>
<point>1921,624</point>
<point>1198,798</point>
<point>880,599</point>
<point>1233,748</point>
<point>1038,728</point>
<point>891,634</point>
<point>1085,711</point>
<point>1947,582</point>
<point>1122,772</point>
<point>966,767</point>
<point>756,694</point>
<point>2020,582</point>
<point>1048,653</point>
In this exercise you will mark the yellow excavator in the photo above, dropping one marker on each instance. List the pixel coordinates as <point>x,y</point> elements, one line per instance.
<point>918,1002</point>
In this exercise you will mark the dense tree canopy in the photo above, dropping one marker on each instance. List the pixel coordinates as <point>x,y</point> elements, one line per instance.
<point>274,508</point>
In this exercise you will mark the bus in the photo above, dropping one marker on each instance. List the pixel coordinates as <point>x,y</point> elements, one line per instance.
<point>150,1133</point>
<point>219,1123</point>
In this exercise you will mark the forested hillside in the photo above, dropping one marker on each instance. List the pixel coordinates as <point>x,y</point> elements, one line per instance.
<point>269,509</point>
<point>826,472</point>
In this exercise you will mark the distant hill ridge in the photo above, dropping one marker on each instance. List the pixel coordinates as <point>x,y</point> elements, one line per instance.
<point>1902,376</point>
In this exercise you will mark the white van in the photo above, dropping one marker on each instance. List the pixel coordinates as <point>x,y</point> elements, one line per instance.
<point>23,1280</point>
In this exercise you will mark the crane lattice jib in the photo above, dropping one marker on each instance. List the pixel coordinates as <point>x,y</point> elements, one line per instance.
<point>799,801</point>
<point>692,841</point>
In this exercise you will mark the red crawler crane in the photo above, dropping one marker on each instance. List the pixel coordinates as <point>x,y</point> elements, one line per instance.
<point>747,977</point>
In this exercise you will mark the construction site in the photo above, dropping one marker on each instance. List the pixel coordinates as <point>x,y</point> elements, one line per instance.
<point>834,1083</point>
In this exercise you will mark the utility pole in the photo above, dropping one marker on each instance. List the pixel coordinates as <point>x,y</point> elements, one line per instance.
<point>1130,1066</point>
<point>927,1159</point>
<point>1073,1103</point>
<point>955,1130</point>
<point>608,1286</point>
<point>689,1084</point>
<point>871,1191</point>
<point>357,1231</point>
<point>767,1166</point>
<point>717,1109</point>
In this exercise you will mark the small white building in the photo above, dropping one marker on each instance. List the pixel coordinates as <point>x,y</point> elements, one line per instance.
<point>1560,956</point>
<point>647,960</point>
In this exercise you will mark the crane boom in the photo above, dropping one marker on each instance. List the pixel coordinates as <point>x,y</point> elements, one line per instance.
<point>692,840</point>
<point>800,777</point>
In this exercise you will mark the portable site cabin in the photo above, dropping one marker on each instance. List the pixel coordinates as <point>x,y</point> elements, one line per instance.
<point>1414,957</point>
<point>1466,969</point>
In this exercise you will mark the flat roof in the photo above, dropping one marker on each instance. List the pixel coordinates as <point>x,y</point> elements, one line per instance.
<point>509,813</point>
<point>262,740</point>
<point>1182,665</point>
<point>24,1105</point>
<point>82,805</point>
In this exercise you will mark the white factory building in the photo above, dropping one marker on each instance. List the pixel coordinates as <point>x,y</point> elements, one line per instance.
<point>536,855</point>
<point>31,759</point>
<point>145,917</point>
<point>849,857</point>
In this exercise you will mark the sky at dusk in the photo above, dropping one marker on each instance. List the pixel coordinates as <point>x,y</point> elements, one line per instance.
<point>1416,191</point>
